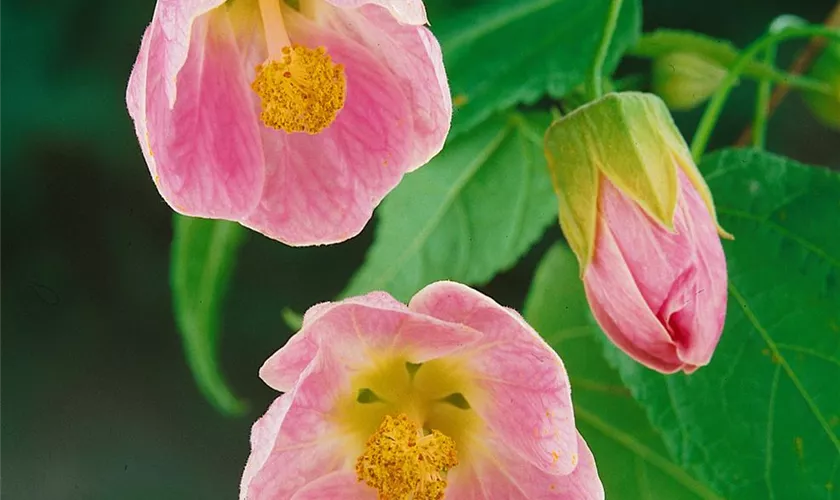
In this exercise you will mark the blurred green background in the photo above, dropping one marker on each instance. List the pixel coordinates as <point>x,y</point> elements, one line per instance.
<point>97,402</point>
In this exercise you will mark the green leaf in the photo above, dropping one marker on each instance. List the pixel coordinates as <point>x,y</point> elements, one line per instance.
<point>203,254</point>
<point>762,419</point>
<point>505,52</point>
<point>632,460</point>
<point>468,214</point>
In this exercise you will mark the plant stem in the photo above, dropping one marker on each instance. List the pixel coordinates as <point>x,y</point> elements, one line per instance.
<point>800,65</point>
<point>713,110</point>
<point>762,105</point>
<point>799,82</point>
<point>595,83</point>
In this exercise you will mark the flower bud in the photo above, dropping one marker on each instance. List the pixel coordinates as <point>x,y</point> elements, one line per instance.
<point>826,68</point>
<point>685,80</point>
<point>640,218</point>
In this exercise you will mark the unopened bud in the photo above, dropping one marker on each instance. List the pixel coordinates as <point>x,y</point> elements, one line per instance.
<point>639,216</point>
<point>685,80</point>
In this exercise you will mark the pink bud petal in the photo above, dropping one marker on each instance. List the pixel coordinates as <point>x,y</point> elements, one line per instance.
<point>660,296</point>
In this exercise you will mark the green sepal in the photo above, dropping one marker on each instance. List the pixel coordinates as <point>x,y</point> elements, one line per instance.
<point>575,180</point>
<point>631,139</point>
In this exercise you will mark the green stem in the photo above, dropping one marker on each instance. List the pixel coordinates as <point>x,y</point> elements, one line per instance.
<point>595,83</point>
<point>800,82</point>
<point>713,110</point>
<point>762,105</point>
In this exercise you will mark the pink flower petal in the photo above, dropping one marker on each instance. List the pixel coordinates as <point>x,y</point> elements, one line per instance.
<point>413,55</point>
<point>304,446</point>
<point>360,327</point>
<point>696,314</point>
<point>206,145</point>
<point>263,434</point>
<point>620,309</point>
<point>527,400</point>
<point>660,296</point>
<point>511,478</point>
<point>282,369</point>
<point>135,99</point>
<point>340,485</point>
<point>323,188</point>
<point>175,20</point>
<point>411,12</point>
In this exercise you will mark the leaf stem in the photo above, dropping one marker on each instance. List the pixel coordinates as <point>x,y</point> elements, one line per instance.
<point>762,105</point>
<point>595,82</point>
<point>713,110</point>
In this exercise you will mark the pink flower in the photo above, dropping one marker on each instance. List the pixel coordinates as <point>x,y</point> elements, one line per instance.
<point>451,395</point>
<point>660,295</point>
<point>296,123</point>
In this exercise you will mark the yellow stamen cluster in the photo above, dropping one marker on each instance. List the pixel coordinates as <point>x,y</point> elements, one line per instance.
<point>302,92</point>
<point>403,463</point>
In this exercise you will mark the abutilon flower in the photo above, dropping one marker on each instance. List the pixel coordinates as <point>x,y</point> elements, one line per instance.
<point>640,218</point>
<point>452,395</point>
<point>294,121</point>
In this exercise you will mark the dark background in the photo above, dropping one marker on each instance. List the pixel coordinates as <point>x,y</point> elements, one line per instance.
<point>97,402</point>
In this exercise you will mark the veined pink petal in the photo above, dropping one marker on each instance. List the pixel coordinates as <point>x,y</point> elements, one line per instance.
<point>135,99</point>
<point>660,296</point>
<point>411,12</point>
<point>206,146</point>
<point>358,328</point>
<point>323,188</point>
<point>263,434</point>
<point>511,478</point>
<point>620,309</point>
<point>305,444</point>
<point>175,19</point>
<point>527,401</point>
<point>282,369</point>
<point>340,485</point>
<point>696,312</point>
<point>413,55</point>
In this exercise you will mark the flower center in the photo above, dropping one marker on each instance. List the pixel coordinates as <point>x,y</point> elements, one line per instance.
<point>302,92</point>
<point>301,89</point>
<point>403,462</point>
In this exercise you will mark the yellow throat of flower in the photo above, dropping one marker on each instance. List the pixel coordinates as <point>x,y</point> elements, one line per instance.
<point>300,89</point>
<point>402,462</point>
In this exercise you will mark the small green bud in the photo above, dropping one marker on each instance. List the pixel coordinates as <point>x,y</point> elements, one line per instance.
<point>685,80</point>
<point>826,68</point>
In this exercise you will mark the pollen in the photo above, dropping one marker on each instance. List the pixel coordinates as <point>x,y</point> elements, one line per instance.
<point>403,462</point>
<point>301,92</point>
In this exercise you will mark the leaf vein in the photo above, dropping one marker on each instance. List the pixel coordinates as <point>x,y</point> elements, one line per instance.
<point>785,366</point>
